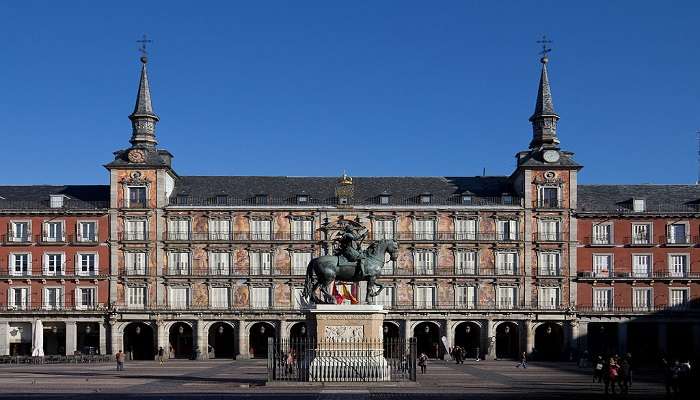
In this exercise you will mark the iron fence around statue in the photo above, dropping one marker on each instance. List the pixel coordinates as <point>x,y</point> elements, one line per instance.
<point>293,360</point>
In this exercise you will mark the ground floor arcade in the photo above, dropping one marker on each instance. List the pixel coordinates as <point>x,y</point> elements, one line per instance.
<point>60,336</point>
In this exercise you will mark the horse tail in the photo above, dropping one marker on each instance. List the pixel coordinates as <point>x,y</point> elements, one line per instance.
<point>309,280</point>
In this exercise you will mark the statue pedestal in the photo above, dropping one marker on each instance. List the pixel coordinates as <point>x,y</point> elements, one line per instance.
<point>349,343</point>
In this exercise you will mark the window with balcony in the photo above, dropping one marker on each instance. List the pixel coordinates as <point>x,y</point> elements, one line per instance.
<point>506,297</point>
<point>602,234</point>
<point>178,297</point>
<point>602,299</point>
<point>179,229</point>
<point>260,263</point>
<point>20,231</point>
<point>54,264</point>
<point>678,234</point>
<point>219,263</point>
<point>298,300</point>
<point>219,297</point>
<point>260,229</point>
<point>425,262</point>
<point>53,298</point>
<point>641,234</point>
<point>641,299</point>
<point>465,262</point>
<point>678,265</point>
<point>87,231</point>
<point>179,263</point>
<point>425,297</point>
<point>219,229</point>
<point>507,229</point>
<point>85,298</point>
<point>549,230</point>
<point>136,196</point>
<point>86,264</point>
<point>385,298</point>
<point>549,298</point>
<point>135,263</point>
<point>465,297</point>
<point>302,229</point>
<point>548,197</point>
<point>678,297</point>
<point>506,263</point>
<point>549,263</point>
<point>18,298</point>
<point>20,264</point>
<point>54,232</point>
<point>602,265</point>
<point>300,261</point>
<point>641,265</point>
<point>260,297</point>
<point>465,229</point>
<point>424,229</point>
<point>383,229</point>
<point>135,229</point>
<point>136,297</point>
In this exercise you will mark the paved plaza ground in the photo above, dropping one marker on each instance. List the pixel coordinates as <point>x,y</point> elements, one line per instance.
<point>218,379</point>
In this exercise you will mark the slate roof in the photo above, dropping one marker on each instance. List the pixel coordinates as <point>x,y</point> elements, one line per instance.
<point>37,196</point>
<point>658,198</point>
<point>322,189</point>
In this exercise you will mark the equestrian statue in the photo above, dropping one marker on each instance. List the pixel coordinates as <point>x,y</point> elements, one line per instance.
<point>349,263</point>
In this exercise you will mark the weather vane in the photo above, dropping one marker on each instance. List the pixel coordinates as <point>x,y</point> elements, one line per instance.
<point>142,47</point>
<point>545,49</point>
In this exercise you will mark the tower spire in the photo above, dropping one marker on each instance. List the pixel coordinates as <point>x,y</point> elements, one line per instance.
<point>143,119</point>
<point>544,119</point>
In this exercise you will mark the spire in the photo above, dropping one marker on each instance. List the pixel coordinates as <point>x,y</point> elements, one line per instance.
<point>544,119</point>
<point>143,119</point>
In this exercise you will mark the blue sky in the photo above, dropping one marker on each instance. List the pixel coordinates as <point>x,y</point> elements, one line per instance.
<point>419,88</point>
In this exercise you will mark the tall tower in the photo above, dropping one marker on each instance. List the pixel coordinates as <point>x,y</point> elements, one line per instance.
<point>143,119</point>
<point>544,119</point>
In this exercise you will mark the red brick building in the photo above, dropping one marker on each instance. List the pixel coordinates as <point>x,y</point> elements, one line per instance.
<point>54,266</point>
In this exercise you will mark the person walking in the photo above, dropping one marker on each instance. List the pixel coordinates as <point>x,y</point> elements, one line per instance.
<point>161,356</point>
<point>422,362</point>
<point>120,356</point>
<point>598,367</point>
<point>611,375</point>
<point>623,378</point>
<point>523,361</point>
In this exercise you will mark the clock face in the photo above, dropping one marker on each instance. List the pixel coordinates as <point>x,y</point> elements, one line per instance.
<point>137,156</point>
<point>551,156</point>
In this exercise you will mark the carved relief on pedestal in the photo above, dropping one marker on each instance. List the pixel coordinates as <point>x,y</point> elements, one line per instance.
<point>344,332</point>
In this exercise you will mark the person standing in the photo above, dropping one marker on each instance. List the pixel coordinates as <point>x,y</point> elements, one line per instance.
<point>523,361</point>
<point>161,356</point>
<point>120,356</point>
<point>598,367</point>
<point>422,362</point>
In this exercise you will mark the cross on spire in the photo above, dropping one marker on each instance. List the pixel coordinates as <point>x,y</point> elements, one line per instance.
<point>142,47</point>
<point>545,49</point>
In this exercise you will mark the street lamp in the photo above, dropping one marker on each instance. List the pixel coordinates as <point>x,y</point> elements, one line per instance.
<point>426,329</point>
<point>262,329</point>
<point>467,329</point>
<point>221,329</point>
<point>137,330</point>
<point>54,329</point>
<point>386,329</point>
<point>506,330</point>
<point>302,330</point>
<point>549,330</point>
<point>181,330</point>
<point>88,329</point>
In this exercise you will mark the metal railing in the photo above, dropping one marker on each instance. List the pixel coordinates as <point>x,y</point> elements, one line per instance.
<point>637,275</point>
<point>456,200</point>
<point>547,203</point>
<point>640,240</point>
<point>60,306</point>
<point>549,236</point>
<point>612,309</point>
<point>133,236</point>
<point>68,204</point>
<point>675,240</point>
<point>140,205</point>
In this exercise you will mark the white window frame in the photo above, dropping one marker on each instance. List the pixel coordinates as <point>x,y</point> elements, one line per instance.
<point>13,261</point>
<point>637,271</point>
<point>637,238</point>
<point>219,263</point>
<point>258,264</point>
<point>80,233</point>
<point>219,228</point>
<point>136,234</point>
<point>424,228</point>
<point>12,234</point>
<point>297,299</point>
<point>129,188</point>
<point>26,301</point>
<point>56,200</point>
<point>542,202</point>
<point>545,231</point>
<point>59,269</point>
<point>299,261</point>
<point>639,205</point>
<point>671,266</point>
<point>78,298</point>
<point>424,262</point>
<point>301,229</point>
<point>171,297</point>
<point>176,265</point>
<point>463,259</point>
<point>671,234</point>
<point>61,301</point>
<point>131,264</point>
<point>383,229</point>
<point>545,302</point>
<point>389,266</point>
<point>597,306</point>
<point>506,305</point>
<point>257,303</point>
<point>49,237</point>
<point>79,264</point>
<point>136,306</point>
<point>214,303</point>
<point>671,290</point>
<point>179,228</point>
<point>387,298</point>
<point>601,273</point>
<point>511,233</point>
<point>502,264</point>
<point>463,300</point>
<point>601,237</point>
<point>466,228</point>
<point>546,269</point>
<point>649,294</point>
<point>423,303</point>
<point>261,229</point>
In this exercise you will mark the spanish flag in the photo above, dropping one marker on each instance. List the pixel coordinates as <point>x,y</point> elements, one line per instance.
<point>343,294</point>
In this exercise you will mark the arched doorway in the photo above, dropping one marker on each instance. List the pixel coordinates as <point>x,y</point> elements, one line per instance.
<point>298,332</point>
<point>549,342</point>
<point>393,345</point>
<point>602,339</point>
<point>221,341</point>
<point>88,337</point>
<point>181,342</point>
<point>427,336</point>
<point>259,333</point>
<point>507,340</point>
<point>54,339</point>
<point>138,341</point>
<point>468,337</point>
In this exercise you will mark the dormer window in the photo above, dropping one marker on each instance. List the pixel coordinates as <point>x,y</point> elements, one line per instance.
<point>638,205</point>
<point>384,198</point>
<point>221,199</point>
<point>260,199</point>
<point>342,200</point>
<point>302,199</point>
<point>506,199</point>
<point>182,199</point>
<point>56,200</point>
<point>466,199</point>
<point>426,198</point>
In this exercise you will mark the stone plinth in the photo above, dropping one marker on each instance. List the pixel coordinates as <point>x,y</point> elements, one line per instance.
<point>349,343</point>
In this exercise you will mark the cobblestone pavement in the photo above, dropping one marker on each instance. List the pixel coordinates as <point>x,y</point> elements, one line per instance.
<point>216,379</point>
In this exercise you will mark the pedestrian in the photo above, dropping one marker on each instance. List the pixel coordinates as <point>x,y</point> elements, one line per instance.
<point>622,379</point>
<point>161,356</point>
<point>598,367</point>
<point>422,362</point>
<point>120,356</point>
<point>290,362</point>
<point>457,354</point>
<point>583,360</point>
<point>628,378</point>
<point>611,375</point>
<point>523,360</point>
<point>668,372</point>
<point>675,377</point>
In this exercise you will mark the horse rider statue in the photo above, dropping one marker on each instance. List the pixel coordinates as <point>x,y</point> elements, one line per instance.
<point>350,247</point>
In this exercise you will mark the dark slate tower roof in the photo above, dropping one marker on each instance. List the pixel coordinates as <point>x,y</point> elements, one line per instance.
<point>544,119</point>
<point>143,118</point>
<point>544,105</point>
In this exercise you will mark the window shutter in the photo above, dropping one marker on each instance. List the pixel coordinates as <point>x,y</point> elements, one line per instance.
<point>29,263</point>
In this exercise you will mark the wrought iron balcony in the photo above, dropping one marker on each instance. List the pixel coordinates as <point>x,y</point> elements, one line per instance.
<point>550,236</point>
<point>133,236</point>
<point>415,201</point>
<point>548,203</point>
<point>676,240</point>
<point>68,204</point>
<point>601,240</point>
<point>184,236</point>
<point>637,275</point>
<point>137,205</point>
<point>640,240</point>
<point>18,239</point>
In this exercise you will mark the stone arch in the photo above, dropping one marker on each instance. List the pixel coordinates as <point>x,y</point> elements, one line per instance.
<point>221,339</point>
<point>139,339</point>
<point>427,334</point>
<point>549,341</point>
<point>258,334</point>
<point>181,339</point>
<point>507,339</point>
<point>298,330</point>
<point>467,335</point>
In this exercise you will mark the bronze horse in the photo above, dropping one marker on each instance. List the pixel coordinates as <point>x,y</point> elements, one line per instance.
<point>322,271</point>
